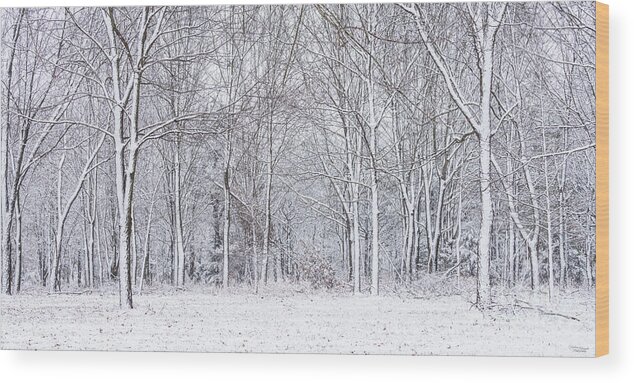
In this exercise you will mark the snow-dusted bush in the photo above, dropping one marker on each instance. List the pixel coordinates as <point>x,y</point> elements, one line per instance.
<point>317,270</point>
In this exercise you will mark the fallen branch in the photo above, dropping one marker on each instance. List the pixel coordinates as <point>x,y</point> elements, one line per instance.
<point>70,292</point>
<point>542,311</point>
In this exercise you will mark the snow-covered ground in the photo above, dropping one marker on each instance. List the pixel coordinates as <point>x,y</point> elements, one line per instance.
<point>212,321</point>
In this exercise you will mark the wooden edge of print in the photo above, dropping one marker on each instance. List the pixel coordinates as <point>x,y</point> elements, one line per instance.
<point>602,333</point>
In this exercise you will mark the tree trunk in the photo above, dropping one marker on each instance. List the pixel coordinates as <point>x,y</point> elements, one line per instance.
<point>374,187</point>
<point>549,231</point>
<point>356,233</point>
<point>511,255</point>
<point>59,234</point>
<point>563,263</point>
<point>551,276</point>
<point>180,247</point>
<point>374,290</point>
<point>133,249</point>
<point>124,184</point>
<point>458,230</point>
<point>254,258</point>
<point>90,255</point>
<point>124,195</point>
<point>587,261</point>
<point>533,258</point>
<point>226,226</point>
<point>267,213</point>
<point>146,256</point>
<point>18,246</point>
<point>483,297</point>
<point>98,249</point>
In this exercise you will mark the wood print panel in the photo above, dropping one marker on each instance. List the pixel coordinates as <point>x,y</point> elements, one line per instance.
<point>419,178</point>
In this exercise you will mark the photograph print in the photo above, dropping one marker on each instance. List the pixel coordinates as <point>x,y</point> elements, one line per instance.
<point>396,178</point>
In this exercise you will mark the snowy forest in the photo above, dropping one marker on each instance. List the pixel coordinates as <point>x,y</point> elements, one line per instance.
<point>360,150</point>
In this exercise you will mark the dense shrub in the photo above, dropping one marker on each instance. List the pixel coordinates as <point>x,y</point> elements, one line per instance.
<point>317,270</point>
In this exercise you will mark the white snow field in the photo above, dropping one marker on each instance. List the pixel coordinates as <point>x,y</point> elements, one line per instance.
<point>216,321</point>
